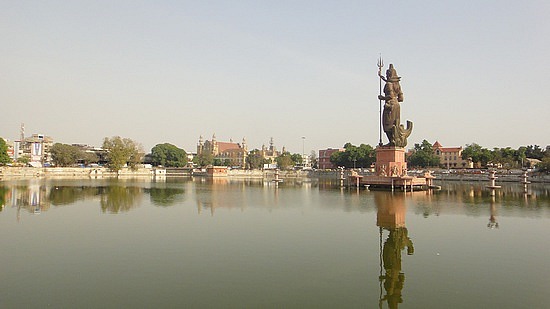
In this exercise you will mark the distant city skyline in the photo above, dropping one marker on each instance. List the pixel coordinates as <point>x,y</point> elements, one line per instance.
<point>173,71</point>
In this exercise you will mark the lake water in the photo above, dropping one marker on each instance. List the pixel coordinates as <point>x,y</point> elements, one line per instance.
<point>248,244</point>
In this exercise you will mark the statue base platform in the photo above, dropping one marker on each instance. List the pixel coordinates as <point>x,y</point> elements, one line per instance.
<point>391,173</point>
<point>402,183</point>
<point>390,161</point>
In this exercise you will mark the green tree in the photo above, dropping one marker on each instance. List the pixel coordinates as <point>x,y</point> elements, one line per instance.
<point>65,155</point>
<point>4,157</point>
<point>508,157</point>
<point>203,159</point>
<point>169,155</point>
<point>479,156</point>
<point>89,157</point>
<point>255,160</point>
<point>366,155</point>
<point>423,156</point>
<point>521,156</point>
<point>544,165</point>
<point>534,152</point>
<point>284,161</point>
<point>25,159</point>
<point>353,156</point>
<point>296,158</point>
<point>122,151</point>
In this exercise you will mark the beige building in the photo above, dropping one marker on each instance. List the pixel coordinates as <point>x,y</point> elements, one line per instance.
<point>451,157</point>
<point>270,153</point>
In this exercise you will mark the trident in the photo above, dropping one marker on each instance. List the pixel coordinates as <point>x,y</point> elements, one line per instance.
<point>380,66</point>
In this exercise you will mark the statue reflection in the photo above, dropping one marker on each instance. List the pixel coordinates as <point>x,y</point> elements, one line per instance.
<point>391,217</point>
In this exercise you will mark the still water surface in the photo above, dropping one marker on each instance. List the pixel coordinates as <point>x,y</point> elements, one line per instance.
<point>247,244</point>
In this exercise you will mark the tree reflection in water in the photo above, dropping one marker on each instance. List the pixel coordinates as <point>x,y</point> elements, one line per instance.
<point>68,195</point>
<point>3,195</point>
<point>391,212</point>
<point>115,199</point>
<point>166,196</point>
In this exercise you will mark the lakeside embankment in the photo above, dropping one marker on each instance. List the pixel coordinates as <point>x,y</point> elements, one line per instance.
<point>69,172</point>
<point>7,172</point>
<point>76,172</point>
<point>512,177</point>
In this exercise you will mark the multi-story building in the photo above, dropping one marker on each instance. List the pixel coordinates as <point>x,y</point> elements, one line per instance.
<point>37,149</point>
<point>450,157</point>
<point>233,153</point>
<point>324,158</point>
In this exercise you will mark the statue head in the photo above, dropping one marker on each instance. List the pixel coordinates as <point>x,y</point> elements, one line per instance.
<point>391,74</point>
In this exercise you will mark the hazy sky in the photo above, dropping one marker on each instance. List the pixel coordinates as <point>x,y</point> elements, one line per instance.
<point>170,71</point>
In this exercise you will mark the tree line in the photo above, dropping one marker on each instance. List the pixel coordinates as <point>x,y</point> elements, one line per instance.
<point>361,156</point>
<point>424,156</point>
<point>506,157</point>
<point>120,152</point>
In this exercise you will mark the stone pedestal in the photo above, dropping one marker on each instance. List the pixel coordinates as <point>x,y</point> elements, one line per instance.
<point>390,161</point>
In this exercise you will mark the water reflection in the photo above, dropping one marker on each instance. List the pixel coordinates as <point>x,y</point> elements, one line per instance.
<point>3,195</point>
<point>391,217</point>
<point>116,199</point>
<point>475,199</point>
<point>30,197</point>
<point>37,197</point>
<point>117,196</point>
<point>212,194</point>
<point>165,196</point>
<point>476,193</point>
<point>314,250</point>
<point>493,224</point>
<point>67,195</point>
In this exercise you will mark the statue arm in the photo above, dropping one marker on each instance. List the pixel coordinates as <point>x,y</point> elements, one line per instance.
<point>399,93</point>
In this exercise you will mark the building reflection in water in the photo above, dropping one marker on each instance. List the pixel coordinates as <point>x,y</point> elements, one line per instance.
<point>391,218</point>
<point>38,197</point>
<point>224,193</point>
<point>32,197</point>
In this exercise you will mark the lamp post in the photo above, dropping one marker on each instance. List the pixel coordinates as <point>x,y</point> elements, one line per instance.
<point>303,151</point>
